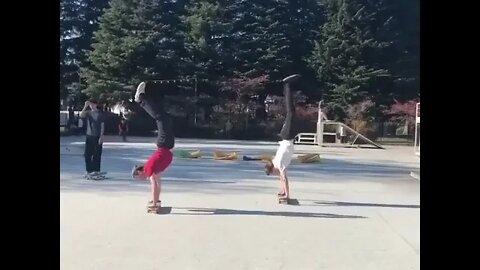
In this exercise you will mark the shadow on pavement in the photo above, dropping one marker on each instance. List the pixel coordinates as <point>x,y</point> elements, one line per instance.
<point>222,211</point>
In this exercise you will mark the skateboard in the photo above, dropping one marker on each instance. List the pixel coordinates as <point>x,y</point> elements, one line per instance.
<point>151,209</point>
<point>282,200</point>
<point>288,201</point>
<point>154,210</point>
<point>96,176</point>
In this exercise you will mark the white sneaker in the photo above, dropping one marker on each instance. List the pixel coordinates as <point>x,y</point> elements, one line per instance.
<point>291,78</point>
<point>140,90</point>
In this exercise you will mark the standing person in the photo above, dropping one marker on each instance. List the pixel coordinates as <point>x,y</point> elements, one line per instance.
<point>71,117</point>
<point>79,124</point>
<point>228,128</point>
<point>95,125</point>
<point>123,129</point>
<point>162,157</point>
<point>284,154</point>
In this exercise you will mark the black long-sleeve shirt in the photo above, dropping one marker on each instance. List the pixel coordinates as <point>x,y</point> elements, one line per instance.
<point>166,137</point>
<point>290,127</point>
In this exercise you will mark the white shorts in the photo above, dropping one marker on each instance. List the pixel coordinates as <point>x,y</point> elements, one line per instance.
<point>284,155</point>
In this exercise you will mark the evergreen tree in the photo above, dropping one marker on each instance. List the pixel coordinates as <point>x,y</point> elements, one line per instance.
<point>78,22</point>
<point>341,54</point>
<point>398,24</point>
<point>259,37</point>
<point>205,31</point>
<point>304,19</point>
<point>137,40</point>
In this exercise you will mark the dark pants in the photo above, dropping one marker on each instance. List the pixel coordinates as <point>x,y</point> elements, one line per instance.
<point>93,154</point>
<point>123,133</point>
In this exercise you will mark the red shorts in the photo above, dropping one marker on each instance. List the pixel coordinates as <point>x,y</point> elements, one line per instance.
<point>158,162</point>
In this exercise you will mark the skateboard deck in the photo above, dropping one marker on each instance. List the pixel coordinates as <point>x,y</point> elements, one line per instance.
<point>97,176</point>
<point>154,210</point>
<point>162,210</point>
<point>289,201</point>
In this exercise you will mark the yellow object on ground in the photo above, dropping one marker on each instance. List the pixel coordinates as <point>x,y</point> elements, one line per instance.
<point>219,155</point>
<point>195,154</point>
<point>309,158</point>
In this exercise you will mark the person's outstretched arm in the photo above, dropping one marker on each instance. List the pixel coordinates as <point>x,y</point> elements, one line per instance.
<point>84,111</point>
<point>102,130</point>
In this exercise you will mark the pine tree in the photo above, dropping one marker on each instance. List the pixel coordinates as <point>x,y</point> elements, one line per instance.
<point>341,54</point>
<point>259,37</point>
<point>137,40</point>
<point>397,24</point>
<point>205,30</point>
<point>304,19</point>
<point>78,22</point>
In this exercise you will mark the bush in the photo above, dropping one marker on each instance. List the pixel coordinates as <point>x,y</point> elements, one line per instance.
<point>361,117</point>
<point>361,111</point>
<point>403,112</point>
<point>365,128</point>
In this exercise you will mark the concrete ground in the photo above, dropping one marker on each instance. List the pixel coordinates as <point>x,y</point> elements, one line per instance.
<point>358,209</point>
